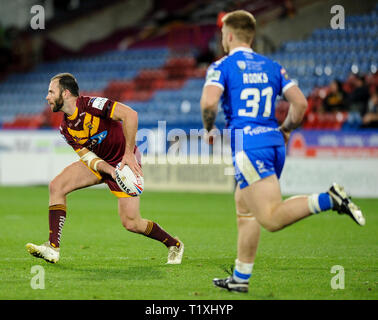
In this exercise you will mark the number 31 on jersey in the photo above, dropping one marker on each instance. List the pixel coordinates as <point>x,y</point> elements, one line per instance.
<point>253,97</point>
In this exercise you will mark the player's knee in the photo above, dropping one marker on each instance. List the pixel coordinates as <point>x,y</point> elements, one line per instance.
<point>55,187</point>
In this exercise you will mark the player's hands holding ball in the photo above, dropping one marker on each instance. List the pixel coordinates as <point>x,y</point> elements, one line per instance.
<point>130,160</point>
<point>129,175</point>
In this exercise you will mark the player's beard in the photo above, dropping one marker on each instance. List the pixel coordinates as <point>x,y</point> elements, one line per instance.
<point>58,103</point>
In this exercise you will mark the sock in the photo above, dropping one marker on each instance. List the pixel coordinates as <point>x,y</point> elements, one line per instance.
<point>242,271</point>
<point>154,231</point>
<point>57,216</point>
<point>320,202</point>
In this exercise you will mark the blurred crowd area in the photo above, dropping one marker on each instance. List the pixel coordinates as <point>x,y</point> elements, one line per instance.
<point>156,60</point>
<point>341,105</point>
<point>355,101</point>
<point>15,51</point>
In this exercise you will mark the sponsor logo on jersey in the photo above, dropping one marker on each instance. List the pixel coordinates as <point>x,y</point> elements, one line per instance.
<point>241,64</point>
<point>89,125</point>
<point>101,136</point>
<point>258,130</point>
<point>97,139</point>
<point>213,75</point>
<point>284,74</point>
<point>98,103</point>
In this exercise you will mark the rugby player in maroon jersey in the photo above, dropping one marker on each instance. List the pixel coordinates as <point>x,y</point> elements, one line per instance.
<point>102,132</point>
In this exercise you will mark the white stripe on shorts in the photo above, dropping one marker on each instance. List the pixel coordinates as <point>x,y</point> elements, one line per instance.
<point>246,168</point>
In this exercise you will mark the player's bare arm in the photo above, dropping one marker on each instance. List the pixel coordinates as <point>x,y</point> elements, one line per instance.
<point>297,109</point>
<point>129,118</point>
<point>209,107</point>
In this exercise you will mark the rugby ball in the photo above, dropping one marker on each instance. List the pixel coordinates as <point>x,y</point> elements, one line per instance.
<point>128,182</point>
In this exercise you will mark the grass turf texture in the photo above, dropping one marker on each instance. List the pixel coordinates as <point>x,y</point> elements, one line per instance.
<point>101,260</point>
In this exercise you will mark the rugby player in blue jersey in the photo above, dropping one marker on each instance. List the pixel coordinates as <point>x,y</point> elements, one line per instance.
<point>247,84</point>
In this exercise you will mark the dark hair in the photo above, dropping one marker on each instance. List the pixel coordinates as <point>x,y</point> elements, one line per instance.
<point>67,81</point>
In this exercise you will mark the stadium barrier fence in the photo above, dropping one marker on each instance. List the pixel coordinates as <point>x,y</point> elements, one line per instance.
<point>36,157</point>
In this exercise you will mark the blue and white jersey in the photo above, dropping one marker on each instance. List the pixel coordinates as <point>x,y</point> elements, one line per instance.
<point>250,84</point>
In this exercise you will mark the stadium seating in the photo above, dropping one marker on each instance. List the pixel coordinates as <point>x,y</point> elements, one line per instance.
<point>163,84</point>
<point>24,94</point>
<point>328,54</point>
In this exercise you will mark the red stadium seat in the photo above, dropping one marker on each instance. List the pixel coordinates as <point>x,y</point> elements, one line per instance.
<point>311,121</point>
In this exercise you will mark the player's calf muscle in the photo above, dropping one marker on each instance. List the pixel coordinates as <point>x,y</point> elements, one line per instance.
<point>270,225</point>
<point>136,225</point>
<point>130,215</point>
<point>284,214</point>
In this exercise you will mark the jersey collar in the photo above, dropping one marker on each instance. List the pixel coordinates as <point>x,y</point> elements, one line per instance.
<point>74,115</point>
<point>244,49</point>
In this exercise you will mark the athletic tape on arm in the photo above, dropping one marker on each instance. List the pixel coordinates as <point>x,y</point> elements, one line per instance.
<point>91,160</point>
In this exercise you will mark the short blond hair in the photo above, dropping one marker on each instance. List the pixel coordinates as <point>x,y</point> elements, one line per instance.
<point>242,23</point>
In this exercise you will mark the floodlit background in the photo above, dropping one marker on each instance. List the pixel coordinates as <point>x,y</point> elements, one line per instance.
<point>153,54</point>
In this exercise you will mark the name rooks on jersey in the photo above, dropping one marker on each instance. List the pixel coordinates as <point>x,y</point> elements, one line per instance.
<point>259,77</point>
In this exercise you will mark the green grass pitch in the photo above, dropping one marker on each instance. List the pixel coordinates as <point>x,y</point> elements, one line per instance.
<point>101,260</point>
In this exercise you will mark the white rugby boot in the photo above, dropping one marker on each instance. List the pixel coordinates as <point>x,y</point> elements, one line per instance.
<point>44,251</point>
<point>175,254</point>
